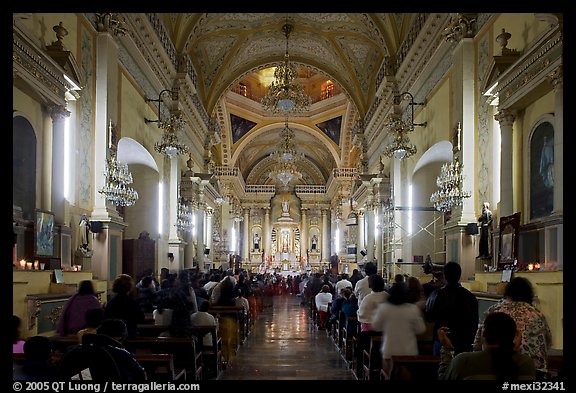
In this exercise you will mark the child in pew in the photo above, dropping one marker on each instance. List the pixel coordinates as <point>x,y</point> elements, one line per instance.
<point>203,318</point>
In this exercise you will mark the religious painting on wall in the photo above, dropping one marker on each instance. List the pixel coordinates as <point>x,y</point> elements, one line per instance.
<point>542,171</point>
<point>44,234</point>
<point>240,127</point>
<point>332,128</point>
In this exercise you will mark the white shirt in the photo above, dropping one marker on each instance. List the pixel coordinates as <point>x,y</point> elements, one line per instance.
<point>322,300</point>
<point>202,318</point>
<point>367,309</point>
<point>341,285</point>
<point>362,289</point>
<point>243,302</point>
<point>400,324</point>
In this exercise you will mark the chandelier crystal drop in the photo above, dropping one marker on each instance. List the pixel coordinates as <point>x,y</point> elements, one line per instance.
<point>169,144</point>
<point>285,94</point>
<point>184,216</point>
<point>449,182</point>
<point>401,147</point>
<point>116,188</point>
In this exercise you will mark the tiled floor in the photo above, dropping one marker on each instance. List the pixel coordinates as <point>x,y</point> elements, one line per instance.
<point>284,344</point>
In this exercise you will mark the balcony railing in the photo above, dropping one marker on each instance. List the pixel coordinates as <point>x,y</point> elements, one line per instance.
<point>311,189</point>
<point>269,188</point>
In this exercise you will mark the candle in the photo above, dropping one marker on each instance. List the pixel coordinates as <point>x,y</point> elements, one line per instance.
<point>22,264</point>
<point>530,266</point>
<point>537,266</point>
<point>42,265</point>
<point>29,265</point>
<point>36,265</point>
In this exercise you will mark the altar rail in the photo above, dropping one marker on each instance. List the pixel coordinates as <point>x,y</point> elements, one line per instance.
<point>311,189</point>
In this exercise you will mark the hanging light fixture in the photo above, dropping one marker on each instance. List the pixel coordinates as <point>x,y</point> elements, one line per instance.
<point>449,182</point>
<point>401,147</point>
<point>285,94</point>
<point>184,215</point>
<point>286,156</point>
<point>169,143</point>
<point>118,178</point>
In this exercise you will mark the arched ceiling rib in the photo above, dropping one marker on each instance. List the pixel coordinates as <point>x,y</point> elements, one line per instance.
<point>349,47</point>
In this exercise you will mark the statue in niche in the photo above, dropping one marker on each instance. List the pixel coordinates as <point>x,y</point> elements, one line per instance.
<point>285,208</point>
<point>314,243</point>
<point>256,242</point>
<point>485,221</point>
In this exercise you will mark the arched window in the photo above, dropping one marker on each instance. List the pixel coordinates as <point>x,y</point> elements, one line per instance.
<point>542,171</point>
<point>327,90</point>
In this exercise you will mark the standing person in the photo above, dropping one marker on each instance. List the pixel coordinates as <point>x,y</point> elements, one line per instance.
<point>499,358</point>
<point>73,317</point>
<point>400,322</point>
<point>485,221</point>
<point>322,299</point>
<point>531,322</point>
<point>362,287</point>
<point>341,284</point>
<point>454,307</point>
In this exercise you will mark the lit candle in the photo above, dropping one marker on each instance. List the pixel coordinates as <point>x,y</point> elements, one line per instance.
<point>36,265</point>
<point>530,266</point>
<point>29,265</point>
<point>537,266</point>
<point>22,264</point>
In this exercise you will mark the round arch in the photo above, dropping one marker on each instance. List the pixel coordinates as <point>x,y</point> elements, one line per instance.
<point>132,152</point>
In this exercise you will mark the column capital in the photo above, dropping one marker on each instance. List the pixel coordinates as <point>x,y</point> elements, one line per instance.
<point>505,117</point>
<point>461,26</point>
<point>58,112</point>
<point>556,78</point>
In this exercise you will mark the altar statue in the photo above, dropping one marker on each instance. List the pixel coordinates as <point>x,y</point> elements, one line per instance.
<point>285,207</point>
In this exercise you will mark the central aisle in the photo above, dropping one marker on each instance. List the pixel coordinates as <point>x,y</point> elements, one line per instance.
<point>285,345</point>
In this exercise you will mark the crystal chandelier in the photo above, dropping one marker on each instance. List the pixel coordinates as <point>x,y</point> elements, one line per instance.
<point>285,94</point>
<point>169,144</point>
<point>450,193</point>
<point>117,189</point>
<point>401,147</point>
<point>286,156</point>
<point>184,216</point>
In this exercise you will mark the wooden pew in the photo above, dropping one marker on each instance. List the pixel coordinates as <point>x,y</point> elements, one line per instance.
<point>349,331</point>
<point>372,359</point>
<point>150,329</point>
<point>160,366</point>
<point>211,355</point>
<point>418,367</point>
<point>231,324</point>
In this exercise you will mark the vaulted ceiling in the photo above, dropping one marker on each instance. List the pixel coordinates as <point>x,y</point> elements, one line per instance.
<point>348,48</point>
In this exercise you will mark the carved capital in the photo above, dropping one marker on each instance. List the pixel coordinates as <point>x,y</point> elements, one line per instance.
<point>462,26</point>
<point>556,78</point>
<point>108,22</point>
<point>505,117</point>
<point>58,112</point>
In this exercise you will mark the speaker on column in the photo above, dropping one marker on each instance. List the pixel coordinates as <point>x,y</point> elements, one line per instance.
<point>206,251</point>
<point>472,228</point>
<point>363,252</point>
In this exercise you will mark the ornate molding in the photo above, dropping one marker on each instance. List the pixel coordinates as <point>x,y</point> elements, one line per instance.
<point>461,26</point>
<point>110,23</point>
<point>556,78</point>
<point>32,65</point>
<point>505,117</point>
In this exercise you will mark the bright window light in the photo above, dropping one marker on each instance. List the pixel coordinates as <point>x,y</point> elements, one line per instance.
<point>67,154</point>
<point>337,240</point>
<point>194,223</point>
<point>410,209</point>
<point>160,207</point>
<point>233,239</point>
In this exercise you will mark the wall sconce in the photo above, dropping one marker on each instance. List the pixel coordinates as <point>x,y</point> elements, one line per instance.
<point>401,147</point>
<point>159,101</point>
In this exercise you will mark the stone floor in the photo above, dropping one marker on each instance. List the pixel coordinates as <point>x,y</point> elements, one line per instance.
<point>285,345</point>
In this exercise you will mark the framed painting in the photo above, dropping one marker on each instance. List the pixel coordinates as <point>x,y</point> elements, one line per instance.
<point>44,234</point>
<point>509,241</point>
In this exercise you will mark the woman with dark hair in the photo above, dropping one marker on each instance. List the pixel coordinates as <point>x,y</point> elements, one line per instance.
<point>123,305</point>
<point>73,316</point>
<point>400,322</point>
<point>531,322</point>
<point>498,359</point>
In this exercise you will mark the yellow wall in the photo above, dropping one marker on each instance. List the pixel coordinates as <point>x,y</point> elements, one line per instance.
<point>548,288</point>
<point>523,27</point>
<point>41,26</point>
<point>534,111</point>
<point>24,103</point>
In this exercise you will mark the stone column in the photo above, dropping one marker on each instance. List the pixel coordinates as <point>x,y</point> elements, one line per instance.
<point>57,201</point>
<point>200,231</point>
<point>558,82</point>
<point>175,243</point>
<point>105,109</point>
<point>506,119</point>
<point>304,233</point>
<point>246,246</point>
<point>379,233</point>
<point>209,230</point>
<point>267,232</point>
<point>325,236</point>
<point>360,244</point>
<point>370,223</point>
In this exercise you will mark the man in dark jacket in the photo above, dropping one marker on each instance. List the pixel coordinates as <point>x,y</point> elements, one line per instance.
<point>455,307</point>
